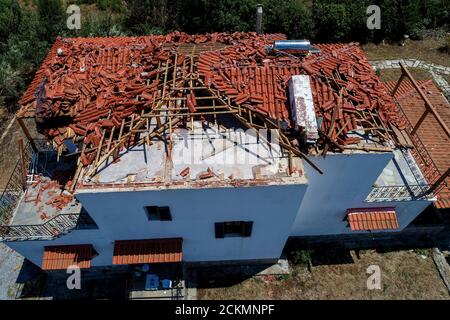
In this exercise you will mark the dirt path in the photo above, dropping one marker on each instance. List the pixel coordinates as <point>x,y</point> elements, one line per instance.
<point>9,153</point>
<point>404,275</point>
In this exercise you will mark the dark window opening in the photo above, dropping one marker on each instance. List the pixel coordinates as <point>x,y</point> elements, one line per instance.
<point>155,213</point>
<point>85,221</point>
<point>233,229</point>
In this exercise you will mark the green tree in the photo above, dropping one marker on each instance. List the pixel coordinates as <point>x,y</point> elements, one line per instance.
<point>332,21</point>
<point>150,16</point>
<point>52,19</point>
<point>290,17</point>
<point>18,63</point>
<point>9,19</point>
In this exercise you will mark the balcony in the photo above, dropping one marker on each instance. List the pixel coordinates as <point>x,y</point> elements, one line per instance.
<point>33,204</point>
<point>401,180</point>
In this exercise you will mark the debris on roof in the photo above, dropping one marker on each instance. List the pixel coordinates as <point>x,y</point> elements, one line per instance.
<point>302,106</point>
<point>106,94</point>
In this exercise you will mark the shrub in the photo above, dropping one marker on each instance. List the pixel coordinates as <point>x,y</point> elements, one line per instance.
<point>301,257</point>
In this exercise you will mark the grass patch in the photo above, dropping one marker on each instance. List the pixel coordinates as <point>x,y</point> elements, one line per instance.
<point>394,74</point>
<point>403,276</point>
<point>422,252</point>
<point>427,50</point>
<point>300,257</point>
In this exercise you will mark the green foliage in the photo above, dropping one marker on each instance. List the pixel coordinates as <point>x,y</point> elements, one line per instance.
<point>100,25</point>
<point>113,5</point>
<point>29,27</point>
<point>301,257</point>
<point>9,19</point>
<point>435,12</point>
<point>23,52</point>
<point>290,17</point>
<point>147,16</point>
<point>331,16</point>
<point>52,19</point>
<point>422,251</point>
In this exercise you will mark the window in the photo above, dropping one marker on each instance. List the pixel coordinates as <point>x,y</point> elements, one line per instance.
<point>158,213</point>
<point>85,221</point>
<point>233,229</point>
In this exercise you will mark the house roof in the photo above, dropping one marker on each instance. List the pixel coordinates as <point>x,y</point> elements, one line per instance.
<point>102,91</point>
<point>61,257</point>
<point>148,251</point>
<point>434,158</point>
<point>365,219</point>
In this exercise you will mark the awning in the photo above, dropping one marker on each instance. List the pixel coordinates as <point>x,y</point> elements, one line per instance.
<point>61,257</point>
<point>148,251</point>
<point>372,218</point>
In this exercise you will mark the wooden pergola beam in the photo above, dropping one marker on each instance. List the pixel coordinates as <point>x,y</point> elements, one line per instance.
<point>429,106</point>
<point>438,182</point>
<point>27,133</point>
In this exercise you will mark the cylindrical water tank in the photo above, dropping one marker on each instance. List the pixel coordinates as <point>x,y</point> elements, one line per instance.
<point>292,45</point>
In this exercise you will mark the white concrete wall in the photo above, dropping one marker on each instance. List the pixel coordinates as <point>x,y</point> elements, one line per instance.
<point>121,215</point>
<point>346,182</point>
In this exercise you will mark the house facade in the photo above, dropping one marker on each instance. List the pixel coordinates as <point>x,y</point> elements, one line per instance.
<point>195,149</point>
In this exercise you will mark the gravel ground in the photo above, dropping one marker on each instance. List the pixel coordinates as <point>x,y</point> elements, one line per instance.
<point>10,266</point>
<point>19,278</point>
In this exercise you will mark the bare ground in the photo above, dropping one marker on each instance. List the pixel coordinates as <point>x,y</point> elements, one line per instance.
<point>9,153</point>
<point>426,50</point>
<point>394,74</point>
<point>404,275</point>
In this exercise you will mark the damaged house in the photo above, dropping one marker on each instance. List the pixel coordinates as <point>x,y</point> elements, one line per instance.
<point>206,148</point>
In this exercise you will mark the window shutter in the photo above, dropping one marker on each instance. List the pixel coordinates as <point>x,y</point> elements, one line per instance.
<point>247,228</point>
<point>219,227</point>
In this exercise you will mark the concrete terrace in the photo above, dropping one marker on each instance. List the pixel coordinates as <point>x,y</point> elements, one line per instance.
<point>210,153</point>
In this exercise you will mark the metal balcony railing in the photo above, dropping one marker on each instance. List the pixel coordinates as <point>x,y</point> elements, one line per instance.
<point>397,193</point>
<point>12,192</point>
<point>53,228</point>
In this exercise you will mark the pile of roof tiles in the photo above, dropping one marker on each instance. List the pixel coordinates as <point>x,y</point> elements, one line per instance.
<point>45,192</point>
<point>340,76</point>
<point>97,83</point>
<point>343,77</point>
<point>248,75</point>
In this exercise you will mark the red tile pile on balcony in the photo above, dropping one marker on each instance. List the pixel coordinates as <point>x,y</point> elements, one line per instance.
<point>433,137</point>
<point>45,192</point>
<point>368,219</point>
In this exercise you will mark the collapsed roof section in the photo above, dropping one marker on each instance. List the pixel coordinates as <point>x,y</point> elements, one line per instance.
<point>106,94</point>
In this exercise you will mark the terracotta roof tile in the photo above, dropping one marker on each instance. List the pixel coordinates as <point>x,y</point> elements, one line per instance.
<point>364,219</point>
<point>61,257</point>
<point>88,80</point>
<point>148,251</point>
<point>430,132</point>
